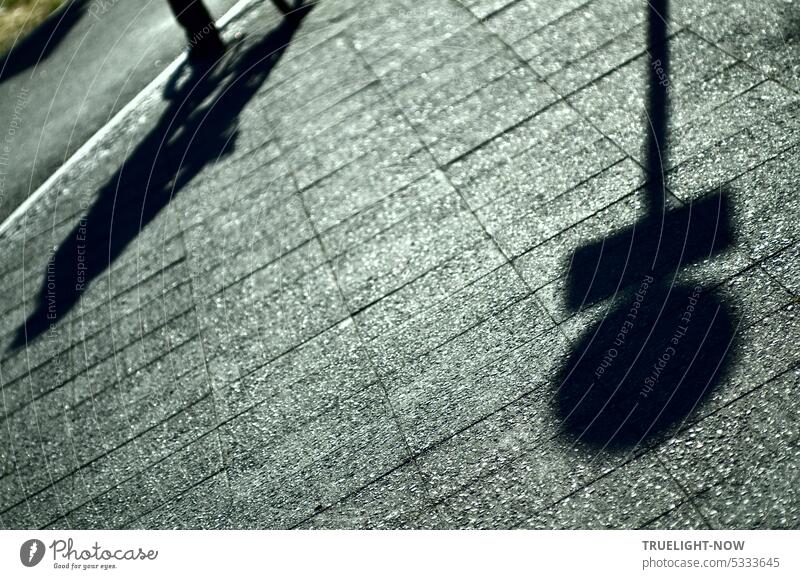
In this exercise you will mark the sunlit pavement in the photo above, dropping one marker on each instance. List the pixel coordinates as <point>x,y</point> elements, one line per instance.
<point>349,308</point>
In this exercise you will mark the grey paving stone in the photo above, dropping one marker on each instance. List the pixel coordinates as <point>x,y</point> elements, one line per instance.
<point>429,289</point>
<point>335,115</point>
<point>126,317</point>
<point>624,499</point>
<point>60,433</point>
<point>310,87</point>
<point>542,172</point>
<point>226,250</point>
<point>744,452</point>
<point>367,180</point>
<point>763,211</point>
<point>752,296</point>
<point>701,78</point>
<point>762,352</point>
<point>482,8</point>
<point>122,505</point>
<point>536,131</point>
<point>530,483</point>
<point>783,266</point>
<point>287,475</point>
<point>402,24</point>
<point>303,383</point>
<point>759,33</point>
<point>75,489</point>
<point>764,496</point>
<point>484,298</point>
<point>407,250</point>
<point>204,506</point>
<point>393,501</point>
<point>518,225</point>
<point>378,128</point>
<point>318,332</point>
<point>684,517</point>
<point>513,21</point>
<point>488,446</point>
<point>381,216</point>
<point>438,60</point>
<point>79,361</point>
<point>498,106</point>
<point>551,260</point>
<point>428,95</point>
<point>579,33</point>
<point>748,294</point>
<point>472,376</point>
<point>289,315</point>
<point>261,187</point>
<point>219,312</point>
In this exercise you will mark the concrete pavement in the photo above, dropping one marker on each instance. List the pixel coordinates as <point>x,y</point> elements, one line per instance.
<point>345,303</point>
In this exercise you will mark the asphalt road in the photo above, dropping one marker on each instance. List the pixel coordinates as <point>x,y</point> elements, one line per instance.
<point>70,76</point>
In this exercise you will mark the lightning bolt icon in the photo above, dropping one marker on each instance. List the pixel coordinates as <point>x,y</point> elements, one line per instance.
<point>34,548</point>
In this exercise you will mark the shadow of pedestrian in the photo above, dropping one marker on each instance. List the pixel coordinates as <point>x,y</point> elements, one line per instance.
<point>648,363</point>
<point>198,127</point>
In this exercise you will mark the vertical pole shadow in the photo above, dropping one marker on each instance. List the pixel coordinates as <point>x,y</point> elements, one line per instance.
<point>662,348</point>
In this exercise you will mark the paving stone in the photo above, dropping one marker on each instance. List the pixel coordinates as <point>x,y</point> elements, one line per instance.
<point>122,505</point>
<point>578,34</point>
<point>428,96</point>
<point>783,266</point>
<point>763,496</point>
<point>429,289</point>
<point>291,474</point>
<point>380,128</point>
<point>204,506</point>
<point>76,488</point>
<point>403,24</point>
<point>354,317</point>
<point>759,431</point>
<point>482,8</point>
<point>696,68</point>
<point>362,183</point>
<point>305,382</point>
<point>391,502</point>
<point>438,60</point>
<point>289,315</point>
<point>536,131</point>
<point>532,482</point>
<point>407,250</point>
<point>624,499</point>
<point>541,173</point>
<point>486,297</point>
<point>684,517</point>
<point>518,226</point>
<point>514,21</point>
<point>760,33</point>
<point>498,106</point>
<point>472,376</point>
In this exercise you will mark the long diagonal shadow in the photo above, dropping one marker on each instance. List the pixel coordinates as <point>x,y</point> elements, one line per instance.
<point>662,348</point>
<point>198,126</point>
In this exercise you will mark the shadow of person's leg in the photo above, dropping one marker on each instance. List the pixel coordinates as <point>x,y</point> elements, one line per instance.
<point>202,34</point>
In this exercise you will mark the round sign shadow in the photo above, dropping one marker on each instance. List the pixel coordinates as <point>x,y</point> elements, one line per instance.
<point>646,365</point>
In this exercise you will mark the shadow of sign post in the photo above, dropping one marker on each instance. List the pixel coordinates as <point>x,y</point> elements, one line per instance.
<point>664,345</point>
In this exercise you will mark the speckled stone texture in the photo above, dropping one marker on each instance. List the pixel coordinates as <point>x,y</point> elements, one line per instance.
<point>353,317</point>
